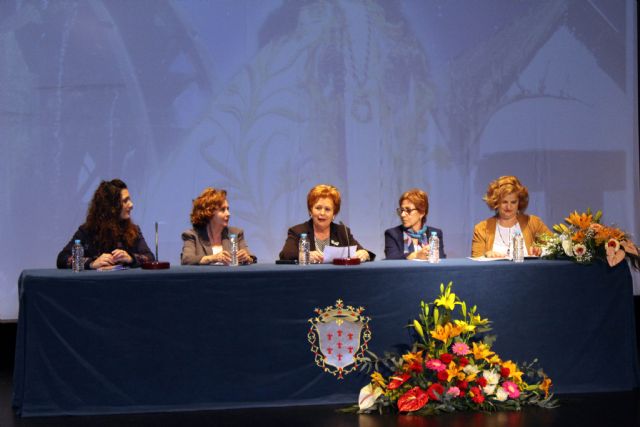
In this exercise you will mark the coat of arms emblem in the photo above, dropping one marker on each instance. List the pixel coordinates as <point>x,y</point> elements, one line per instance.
<point>338,336</point>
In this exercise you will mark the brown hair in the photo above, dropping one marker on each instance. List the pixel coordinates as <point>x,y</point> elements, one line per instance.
<point>419,199</point>
<point>103,218</point>
<point>324,190</point>
<point>504,186</point>
<point>206,204</point>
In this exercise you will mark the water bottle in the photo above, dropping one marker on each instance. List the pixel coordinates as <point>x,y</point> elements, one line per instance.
<point>518,247</point>
<point>234,249</point>
<point>434,248</point>
<point>303,249</point>
<point>77,257</point>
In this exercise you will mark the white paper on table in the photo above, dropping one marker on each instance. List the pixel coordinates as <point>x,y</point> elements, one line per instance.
<point>331,252</point>
<point>485,259</point>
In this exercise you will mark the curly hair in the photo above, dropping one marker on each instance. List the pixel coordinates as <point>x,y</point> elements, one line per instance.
<point>504,186</point>
<point>103,217</point>
<point>419,199</point>
<point>323,190</point>
<point>206,204</point>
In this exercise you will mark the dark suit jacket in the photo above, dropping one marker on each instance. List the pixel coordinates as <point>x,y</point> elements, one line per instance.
<point>394,242</point>
<point>337,237</point>
<point>196,244</point>
<point>139,251</point>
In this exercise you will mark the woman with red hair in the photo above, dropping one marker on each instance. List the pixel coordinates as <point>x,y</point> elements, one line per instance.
<point>323,203</point>
<point>208,241</point>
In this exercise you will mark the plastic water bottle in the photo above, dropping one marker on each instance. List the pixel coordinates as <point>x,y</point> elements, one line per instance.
<point>77,257</point>
<point>303,249</point>
<point>434,248</point>
<point>234,249</point>
<point>518,247</point>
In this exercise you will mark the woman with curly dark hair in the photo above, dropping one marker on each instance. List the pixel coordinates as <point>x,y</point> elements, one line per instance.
<point>208,241</point>
<point>108,236</point>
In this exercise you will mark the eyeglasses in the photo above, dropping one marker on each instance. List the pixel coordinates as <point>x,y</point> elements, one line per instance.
<point>400,211</point>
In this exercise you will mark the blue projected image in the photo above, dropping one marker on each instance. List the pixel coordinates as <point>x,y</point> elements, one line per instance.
<point>268,98</point>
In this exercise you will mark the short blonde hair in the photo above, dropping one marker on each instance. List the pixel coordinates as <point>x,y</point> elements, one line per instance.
<point>419,199</point>
<point>504,186</point>
<point>206,204</point>
<point>323,190</point>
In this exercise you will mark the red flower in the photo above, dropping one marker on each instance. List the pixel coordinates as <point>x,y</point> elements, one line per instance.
<point>482,381</point>
<point>504,372</point>
<point>446,358</point>
<point>416,366</point>
<point>477,395</point>
<point>463,362</point>
<point>443,376</point>
<point>413,400</point>
<point>433,389</point>
<point>462,385</point>
<point>398,380</point>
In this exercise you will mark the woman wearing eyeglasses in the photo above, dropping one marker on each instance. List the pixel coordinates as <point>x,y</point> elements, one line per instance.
<point>411,239</point>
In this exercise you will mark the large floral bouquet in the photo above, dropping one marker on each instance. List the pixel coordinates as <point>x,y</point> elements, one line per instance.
<point>583,238</point>
<point>449,368</point>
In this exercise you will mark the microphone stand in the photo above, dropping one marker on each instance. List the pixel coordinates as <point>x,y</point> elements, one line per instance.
<point>348,260</point>
<point>156,265</point>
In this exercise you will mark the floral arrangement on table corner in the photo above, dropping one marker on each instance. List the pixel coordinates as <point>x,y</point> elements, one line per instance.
<point>584,239</point>
<point>450,368</point>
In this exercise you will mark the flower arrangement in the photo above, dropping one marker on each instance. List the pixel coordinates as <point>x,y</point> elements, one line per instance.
<point>449,368</point>
<point>583,238</point>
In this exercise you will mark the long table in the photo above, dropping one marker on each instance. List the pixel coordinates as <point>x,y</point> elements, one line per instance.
<point>208,337</point>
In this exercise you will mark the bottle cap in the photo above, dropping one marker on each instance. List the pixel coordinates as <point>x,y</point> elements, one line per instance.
<point>433,233</point>
<point>77,241</point>
<point>232,236</point>
<point>303,234</point>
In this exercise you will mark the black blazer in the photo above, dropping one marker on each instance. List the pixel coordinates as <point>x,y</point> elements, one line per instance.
<point>394,242</point>
<point>337,237</point>
<point>139,251</point>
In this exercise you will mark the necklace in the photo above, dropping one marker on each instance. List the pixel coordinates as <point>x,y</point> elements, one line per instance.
<point>361,105</point>
<point>506,243</point>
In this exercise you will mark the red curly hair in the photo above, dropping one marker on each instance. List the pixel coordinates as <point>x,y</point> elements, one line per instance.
<point>206,205</point>
<point>103,218</point>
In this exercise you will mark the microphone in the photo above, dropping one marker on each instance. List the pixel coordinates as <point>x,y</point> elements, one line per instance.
<point>348,260</point>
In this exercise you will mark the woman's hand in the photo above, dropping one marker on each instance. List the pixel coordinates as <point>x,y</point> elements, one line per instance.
<point>103,260</point>
<point>121,257</point>
<point>244,257</point>
<point>493,254</point>
<point>316,257</point>
<point>223,257</point>
<point>536,251</point>
<point>363,255</point>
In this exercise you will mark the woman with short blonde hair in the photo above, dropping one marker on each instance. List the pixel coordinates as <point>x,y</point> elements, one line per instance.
<point>493,237</point>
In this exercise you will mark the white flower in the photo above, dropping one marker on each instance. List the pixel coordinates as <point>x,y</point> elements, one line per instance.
<point>470,369</point>
<point>492,377</point>
<point>368,396</point>
<point>501,395</point>
<point>489,389</point>
<point>567,246</point>
<point>579,250</point>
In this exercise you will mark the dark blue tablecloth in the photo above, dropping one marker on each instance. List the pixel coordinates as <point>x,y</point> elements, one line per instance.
<point>222,337</point>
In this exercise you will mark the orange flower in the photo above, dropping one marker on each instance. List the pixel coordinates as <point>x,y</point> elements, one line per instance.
<point>446,332</point>
<point>514,372</point>
<point>545,385</point>
<point>604,234</point>
<point>579,236</point>
<point>581,221</point>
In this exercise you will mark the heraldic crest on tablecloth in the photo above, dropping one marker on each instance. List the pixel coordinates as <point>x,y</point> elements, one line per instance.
<point>338,336</point>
